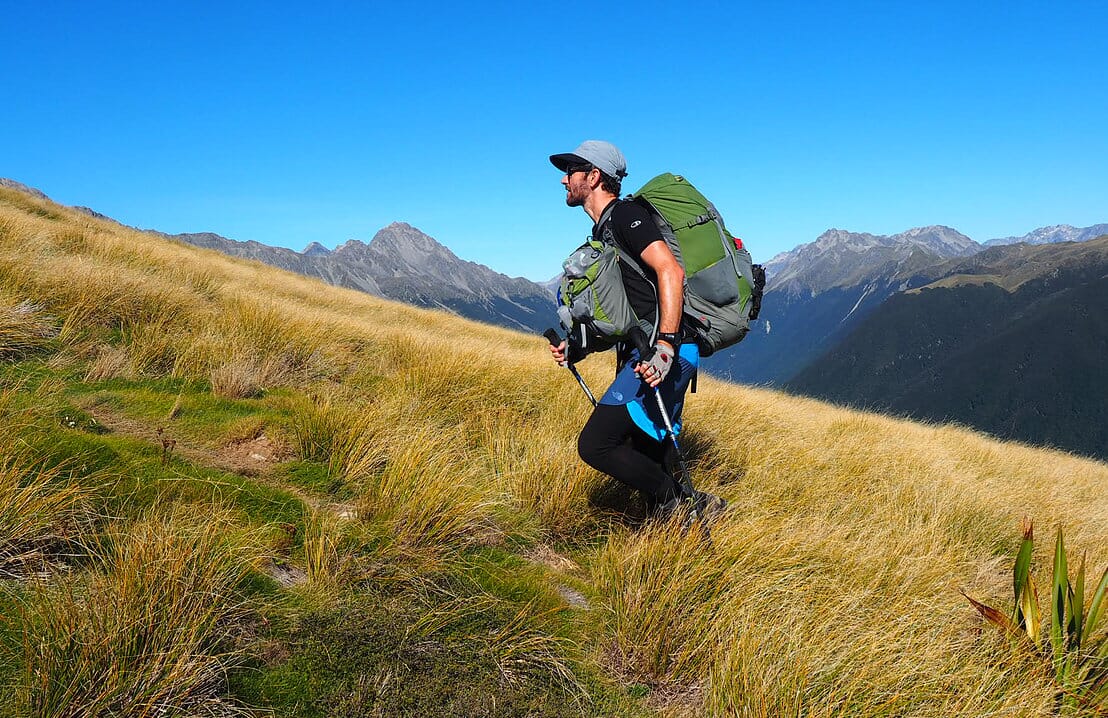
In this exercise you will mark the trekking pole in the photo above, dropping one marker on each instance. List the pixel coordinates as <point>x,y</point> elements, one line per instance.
<point>683,482</point>
<point>555,340</point>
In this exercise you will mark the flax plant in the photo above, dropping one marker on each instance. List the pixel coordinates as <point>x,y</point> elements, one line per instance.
<point>1077,653</point>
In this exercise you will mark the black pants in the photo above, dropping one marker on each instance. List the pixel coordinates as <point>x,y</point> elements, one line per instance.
<point>610,442</point>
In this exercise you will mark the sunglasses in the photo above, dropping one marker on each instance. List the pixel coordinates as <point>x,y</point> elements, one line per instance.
<point>578,168</point>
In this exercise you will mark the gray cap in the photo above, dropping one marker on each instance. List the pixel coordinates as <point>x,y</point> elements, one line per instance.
<point>604,156</point>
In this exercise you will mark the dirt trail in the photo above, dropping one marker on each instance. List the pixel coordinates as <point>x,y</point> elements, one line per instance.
<point>256,458</point>
<point>253,458</point>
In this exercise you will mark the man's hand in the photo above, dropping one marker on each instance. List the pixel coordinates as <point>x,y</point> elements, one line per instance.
<point>657,364</point>
<point>559,353</point>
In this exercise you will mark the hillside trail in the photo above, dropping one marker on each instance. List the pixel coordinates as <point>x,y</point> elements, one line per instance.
<point>252,458</point>
<point>256,459</point>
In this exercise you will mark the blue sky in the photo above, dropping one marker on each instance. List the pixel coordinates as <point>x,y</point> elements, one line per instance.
<point>287,124</point>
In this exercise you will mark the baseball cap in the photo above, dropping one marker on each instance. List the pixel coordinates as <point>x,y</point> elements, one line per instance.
<point>604,156</point>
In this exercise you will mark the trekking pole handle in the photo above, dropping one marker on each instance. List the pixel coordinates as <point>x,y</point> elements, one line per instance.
<point>555,340</point>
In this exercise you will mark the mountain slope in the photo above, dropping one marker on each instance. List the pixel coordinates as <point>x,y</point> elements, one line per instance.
<point>1012,341</point>
<point>404,264</point>
<point>819,290</point>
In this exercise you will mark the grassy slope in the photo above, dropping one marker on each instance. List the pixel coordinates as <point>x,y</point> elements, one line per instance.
<point>421,539</point>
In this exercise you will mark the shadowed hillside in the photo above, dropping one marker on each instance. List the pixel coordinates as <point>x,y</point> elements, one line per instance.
<point>1012,341</point>
<point>240,491</point>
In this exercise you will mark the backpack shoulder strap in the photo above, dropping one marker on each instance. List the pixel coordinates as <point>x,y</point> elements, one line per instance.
<point>607,236</point>
<point>603,225</point>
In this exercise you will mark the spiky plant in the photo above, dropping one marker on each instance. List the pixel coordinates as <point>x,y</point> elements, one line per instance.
<point>1079,658</point>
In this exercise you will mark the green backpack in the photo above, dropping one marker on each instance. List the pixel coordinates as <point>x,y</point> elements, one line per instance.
<point>723,288</point>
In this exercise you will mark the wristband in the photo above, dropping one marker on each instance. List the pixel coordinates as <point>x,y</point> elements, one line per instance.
<point>673,339</point>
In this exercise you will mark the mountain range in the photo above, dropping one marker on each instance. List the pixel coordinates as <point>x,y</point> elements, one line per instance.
<point>1012,341</point>
<point>404,264</point>
<point>1054,234</point>
<point>818,292</point>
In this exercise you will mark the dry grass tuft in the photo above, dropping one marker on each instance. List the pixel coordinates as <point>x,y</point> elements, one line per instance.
<point>521,646</point>
<point>429,492</point>
<point>24,329</point>
<point>110,363</point>
<point>243,377</point>
<point>145,636</point>
<point>40,515</point>
<point>328,543</point>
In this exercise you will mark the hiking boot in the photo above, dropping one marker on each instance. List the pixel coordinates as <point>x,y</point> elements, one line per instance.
<point>664,511</point>
<point>701,506</point>
<point>708,506</point>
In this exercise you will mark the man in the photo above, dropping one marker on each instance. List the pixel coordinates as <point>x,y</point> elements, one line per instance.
<point>625,435</point>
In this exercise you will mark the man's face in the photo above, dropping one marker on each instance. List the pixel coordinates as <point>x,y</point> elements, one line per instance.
<point>577,187</point>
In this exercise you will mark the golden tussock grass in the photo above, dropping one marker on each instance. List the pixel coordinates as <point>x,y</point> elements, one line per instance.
<point>520,646</point>
<point>41,515</point>
<point>24,329</point>
<point>829,589</point>
<point>430,492</point>
<point>328,540</point>
<point>146,634</point>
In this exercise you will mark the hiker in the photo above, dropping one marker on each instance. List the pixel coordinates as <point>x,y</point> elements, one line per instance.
<point>624,436</point>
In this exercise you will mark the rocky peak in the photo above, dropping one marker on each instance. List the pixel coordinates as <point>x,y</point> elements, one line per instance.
<point>401,242</point>
<point>841,258</point>
<point>941,240</point>
<point>1053,234</point>
<point>315,249</point>
<point>834,238</point>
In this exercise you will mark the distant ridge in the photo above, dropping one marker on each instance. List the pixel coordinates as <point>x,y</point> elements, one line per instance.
<point>1053,234</point>
<point>404,264</point>
<point>1011,340</point>
<point>818,291</point>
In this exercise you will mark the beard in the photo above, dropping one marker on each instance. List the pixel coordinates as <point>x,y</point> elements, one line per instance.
<point>576,193</point>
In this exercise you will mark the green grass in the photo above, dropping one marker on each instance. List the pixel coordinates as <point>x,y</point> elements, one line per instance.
<point>361,657</point>
<point>314,477</point>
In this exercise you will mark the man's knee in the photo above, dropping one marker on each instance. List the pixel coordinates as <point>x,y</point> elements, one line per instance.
<point>589,449</point>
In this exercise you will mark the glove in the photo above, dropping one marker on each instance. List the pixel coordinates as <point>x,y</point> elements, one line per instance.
<point>656,364</point>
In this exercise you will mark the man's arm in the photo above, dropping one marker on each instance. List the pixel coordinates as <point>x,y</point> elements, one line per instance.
<point>671,285</point>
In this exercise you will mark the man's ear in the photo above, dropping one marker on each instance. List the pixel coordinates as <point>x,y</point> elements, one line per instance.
<point>594,183</point>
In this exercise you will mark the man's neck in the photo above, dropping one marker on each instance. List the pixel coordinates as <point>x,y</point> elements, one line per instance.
<point>596,202</point>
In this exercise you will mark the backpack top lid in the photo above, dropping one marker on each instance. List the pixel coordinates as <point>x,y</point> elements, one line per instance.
<point>684,208</point>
